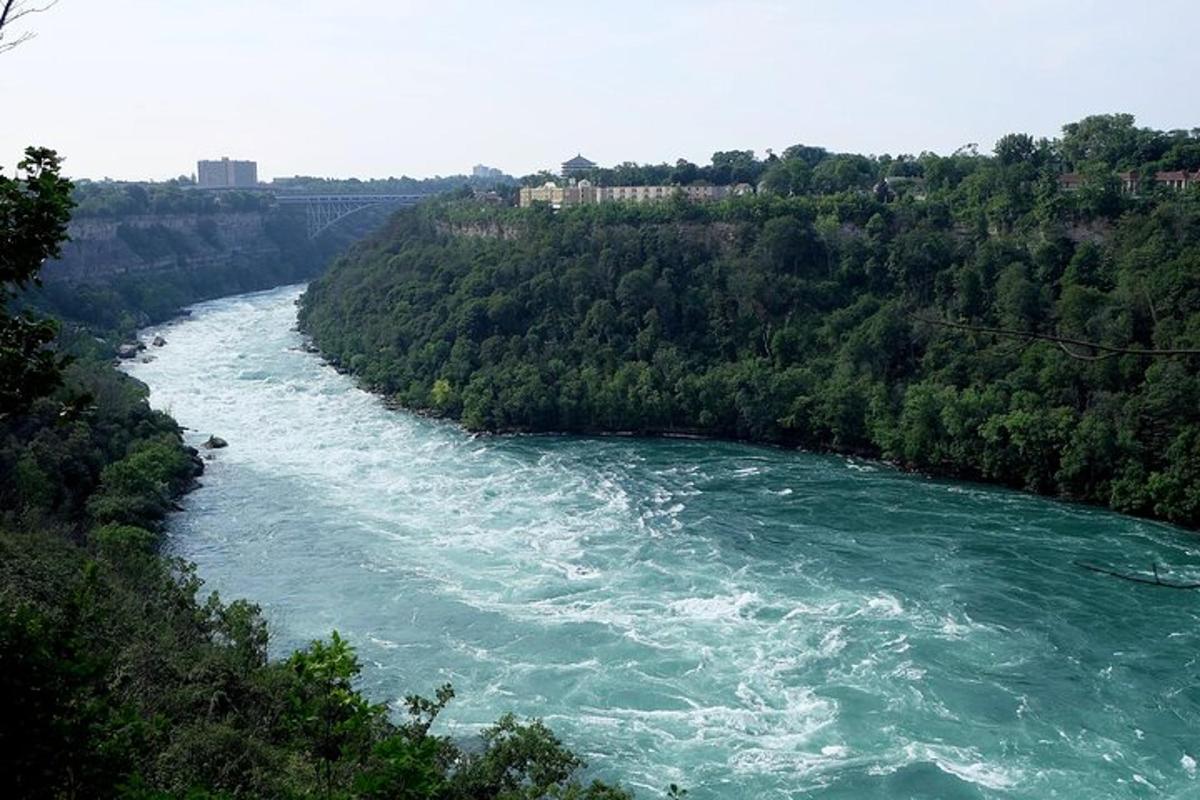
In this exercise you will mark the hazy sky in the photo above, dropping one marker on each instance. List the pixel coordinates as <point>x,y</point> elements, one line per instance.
<point>142,88</point>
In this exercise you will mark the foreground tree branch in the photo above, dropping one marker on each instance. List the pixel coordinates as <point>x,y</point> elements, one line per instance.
<point>1065,343</point>
<point>10,12</point>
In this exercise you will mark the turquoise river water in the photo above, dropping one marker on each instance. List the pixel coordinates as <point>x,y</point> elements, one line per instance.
<point>745,621</point>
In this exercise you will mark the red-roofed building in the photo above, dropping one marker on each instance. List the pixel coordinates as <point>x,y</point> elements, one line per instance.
<point>1070,181</point>
<point>1130,181</point>
<point>1178,179</point>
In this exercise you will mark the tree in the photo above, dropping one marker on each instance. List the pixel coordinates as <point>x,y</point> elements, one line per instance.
<point>525,760</point>
<point>12,11</point>
<point>1017,299</point>
<point>684,173</point>
<point>34,209</point>
<point>735,166</point>
<point>807,153</point>
<point>334,719</point>
<point>787,177</point>
<point>1015,148</point>
<point>790,245</point>
<point>1110,139</point>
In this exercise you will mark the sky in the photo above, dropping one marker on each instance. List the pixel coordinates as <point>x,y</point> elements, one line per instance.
<point>141,89</point>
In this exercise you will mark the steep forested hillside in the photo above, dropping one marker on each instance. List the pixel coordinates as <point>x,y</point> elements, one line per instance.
<point>121,677</point>
<point>816,314</point>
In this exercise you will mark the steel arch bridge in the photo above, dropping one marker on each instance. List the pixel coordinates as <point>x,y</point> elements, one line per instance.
<point>323,210</point>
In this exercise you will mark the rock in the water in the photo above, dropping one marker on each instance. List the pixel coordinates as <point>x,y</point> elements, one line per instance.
<point>158,341</point>
<point>127,351</point>
<point>215,443</point>
<point>194,457</point>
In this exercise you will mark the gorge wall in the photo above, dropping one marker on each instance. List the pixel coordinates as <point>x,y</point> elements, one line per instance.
<point>119,272</point>
<point>101,249</point>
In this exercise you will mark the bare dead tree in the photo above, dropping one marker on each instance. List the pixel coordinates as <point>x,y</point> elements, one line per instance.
<point>10,12</point>
<point>1084,349</point>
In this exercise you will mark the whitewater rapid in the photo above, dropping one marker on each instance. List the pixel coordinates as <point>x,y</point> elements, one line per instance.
<point>746,622</point>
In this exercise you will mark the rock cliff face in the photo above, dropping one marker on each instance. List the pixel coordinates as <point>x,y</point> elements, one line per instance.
<point>101,249</point>
<point>719,235</point>
<point>118,273</point>
<point>482,229</point>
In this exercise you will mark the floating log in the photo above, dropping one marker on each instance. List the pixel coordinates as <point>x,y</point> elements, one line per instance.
<point>1146,579</point>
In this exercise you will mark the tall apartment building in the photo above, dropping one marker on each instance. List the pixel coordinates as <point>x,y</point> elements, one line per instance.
<point>226,174</point>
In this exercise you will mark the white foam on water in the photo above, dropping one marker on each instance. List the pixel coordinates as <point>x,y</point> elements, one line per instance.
<point>964,763</point>
<point>833,642</point>
<point>886,604</point>
<point>714,609</point>
<point>387,644</point>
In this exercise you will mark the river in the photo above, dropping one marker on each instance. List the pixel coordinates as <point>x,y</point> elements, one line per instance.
<point>745,621</point>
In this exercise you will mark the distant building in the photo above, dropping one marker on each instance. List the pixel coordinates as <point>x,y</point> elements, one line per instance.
<point>1070,181</point>
<point>577,166</point>
<point>584,193</point>
<point>549,192</point>
<point>1178,179</point>
<point>226,174</point>
<point>1131,180</point>
<point>489,197</point>
<point>482,171</point>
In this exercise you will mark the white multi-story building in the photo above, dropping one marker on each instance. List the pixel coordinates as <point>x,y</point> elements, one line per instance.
<point>584,193</point>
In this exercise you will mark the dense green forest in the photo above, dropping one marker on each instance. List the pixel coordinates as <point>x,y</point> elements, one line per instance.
<point>910,319</point>
<point>124,199</point>
<point>119,676</point>
<point>402,185</point>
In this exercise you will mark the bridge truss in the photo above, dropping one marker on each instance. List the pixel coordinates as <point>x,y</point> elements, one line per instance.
<point>323,210</point>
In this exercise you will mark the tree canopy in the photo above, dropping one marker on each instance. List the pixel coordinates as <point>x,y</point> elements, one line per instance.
<point>35,206</point>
